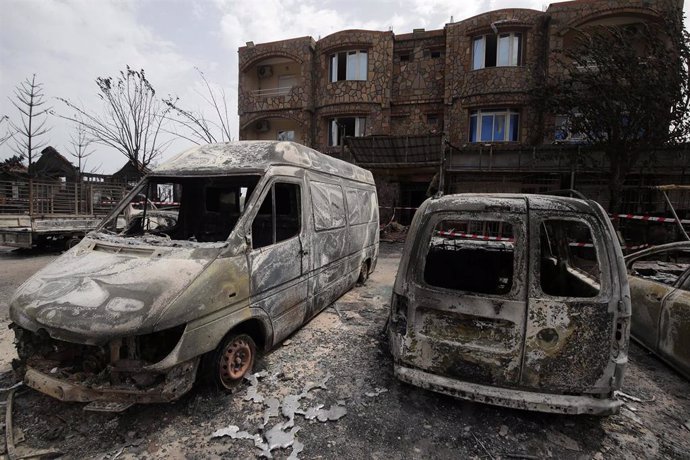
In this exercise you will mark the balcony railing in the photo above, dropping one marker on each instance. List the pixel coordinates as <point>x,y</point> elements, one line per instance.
<point>270,92</point>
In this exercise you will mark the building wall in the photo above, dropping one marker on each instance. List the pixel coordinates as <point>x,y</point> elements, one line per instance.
<point>423,82</point>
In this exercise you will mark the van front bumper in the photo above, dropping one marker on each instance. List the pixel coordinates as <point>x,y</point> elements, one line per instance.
<point>178,381</point>
<point>517,399</point>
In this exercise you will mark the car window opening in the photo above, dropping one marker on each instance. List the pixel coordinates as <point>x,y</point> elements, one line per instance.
<point>665,267</point>
<point>473,256</point>
<point>279,222</point>
<point>198,209</point>
<point>569,266</point>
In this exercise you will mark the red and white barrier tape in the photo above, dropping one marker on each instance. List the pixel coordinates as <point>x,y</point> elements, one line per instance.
<point>650,218</point>
<point>474,236</point>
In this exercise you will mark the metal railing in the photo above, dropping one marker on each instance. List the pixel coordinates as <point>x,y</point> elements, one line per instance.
<point>41,197</point>
<point>269,92</point>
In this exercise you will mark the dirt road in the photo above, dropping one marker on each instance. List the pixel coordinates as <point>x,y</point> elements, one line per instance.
<point>343,351</point>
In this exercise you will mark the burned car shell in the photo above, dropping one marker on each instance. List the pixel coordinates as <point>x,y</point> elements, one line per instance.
<point>564,351</point>
<point>144,310</point>
<point>660,293</point>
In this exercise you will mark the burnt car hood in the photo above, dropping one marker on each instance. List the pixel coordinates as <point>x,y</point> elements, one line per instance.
<point>95,293</point>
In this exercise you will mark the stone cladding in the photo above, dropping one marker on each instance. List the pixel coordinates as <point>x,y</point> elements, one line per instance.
<point>415,75</point>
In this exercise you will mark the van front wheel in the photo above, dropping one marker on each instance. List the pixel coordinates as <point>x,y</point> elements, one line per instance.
<point>232,360</point>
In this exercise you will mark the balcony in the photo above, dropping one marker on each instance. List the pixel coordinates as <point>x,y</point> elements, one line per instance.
<point>272,84</point>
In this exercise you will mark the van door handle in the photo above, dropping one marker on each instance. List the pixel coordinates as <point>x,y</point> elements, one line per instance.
<point>304,253</point>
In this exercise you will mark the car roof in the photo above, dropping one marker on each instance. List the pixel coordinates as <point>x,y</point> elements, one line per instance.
<point>514,201</point>
<point>256,156</point>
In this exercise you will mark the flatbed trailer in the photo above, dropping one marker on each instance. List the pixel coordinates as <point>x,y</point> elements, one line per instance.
<point>39,212</point>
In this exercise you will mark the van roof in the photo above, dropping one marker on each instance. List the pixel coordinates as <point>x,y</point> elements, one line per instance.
<point>258,156</point>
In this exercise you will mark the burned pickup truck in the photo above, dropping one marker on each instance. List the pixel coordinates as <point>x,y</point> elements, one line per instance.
<point>514,300</point>
<point>248,241</point>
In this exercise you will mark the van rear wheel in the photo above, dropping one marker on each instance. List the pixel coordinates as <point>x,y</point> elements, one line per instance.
<point>232,361</point>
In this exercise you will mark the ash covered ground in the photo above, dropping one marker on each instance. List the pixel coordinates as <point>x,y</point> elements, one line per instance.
<point>334,380</point>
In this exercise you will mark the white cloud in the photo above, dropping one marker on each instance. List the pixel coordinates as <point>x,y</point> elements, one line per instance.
<point>68,45</point>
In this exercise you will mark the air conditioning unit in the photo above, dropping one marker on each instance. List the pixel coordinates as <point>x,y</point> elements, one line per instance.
<point>264,71</point>
<point>262,126</point>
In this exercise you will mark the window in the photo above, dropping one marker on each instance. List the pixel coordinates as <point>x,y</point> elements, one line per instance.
<point>342,127</point>
<point>569,266</point>
<point>663,267</point>
<point>500,50</point>
<point>471,255</point>
<point>359,205</point>
<point>406,57</point>
<point>432,120</point>
<point>199,209</point>
<point>564,131</point>
<point>279,216</point>
<point>286,135</point>
<point>497,125</point>
<point>348,65</point>
<point>328,204</point>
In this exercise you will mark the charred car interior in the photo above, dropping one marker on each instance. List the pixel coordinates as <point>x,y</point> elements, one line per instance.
<point>203,209</point>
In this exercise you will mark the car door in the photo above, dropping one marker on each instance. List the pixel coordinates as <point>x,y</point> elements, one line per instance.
<point>468,301</point>
<point>674,327</point>
<point>572,303</point>
<point>652,278</point>
<point>277,258</point>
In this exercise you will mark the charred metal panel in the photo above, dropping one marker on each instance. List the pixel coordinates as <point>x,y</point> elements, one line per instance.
<point>93,294</point>
<point>256,155</point>
<point>674,330</point>
<point>567,346</point>
<point>647,297</point>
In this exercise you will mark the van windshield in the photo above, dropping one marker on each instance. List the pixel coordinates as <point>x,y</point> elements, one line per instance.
<point>197,209</point>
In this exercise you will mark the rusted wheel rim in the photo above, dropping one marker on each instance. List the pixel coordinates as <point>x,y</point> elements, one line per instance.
<point>235,361</point>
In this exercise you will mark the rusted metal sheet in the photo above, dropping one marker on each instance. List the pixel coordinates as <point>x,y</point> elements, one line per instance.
<point>225,245</point>
<point>495,301</point>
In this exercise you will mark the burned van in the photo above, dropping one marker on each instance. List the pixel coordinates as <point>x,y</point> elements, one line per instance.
<point>216,255</point>
<point>513,300</point>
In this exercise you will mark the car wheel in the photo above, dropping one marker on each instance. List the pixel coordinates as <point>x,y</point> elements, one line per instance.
<point>233,359</point>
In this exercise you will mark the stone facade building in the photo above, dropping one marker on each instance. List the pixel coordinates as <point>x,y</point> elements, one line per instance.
<point>470,80</point>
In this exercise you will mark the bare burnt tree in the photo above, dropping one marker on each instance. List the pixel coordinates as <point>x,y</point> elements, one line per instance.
<point>196,127</point>
<point>80,147</point>
<point>29,100</point>
<point>626,90</point>
<point>5,131</point>
<point>132,119</point>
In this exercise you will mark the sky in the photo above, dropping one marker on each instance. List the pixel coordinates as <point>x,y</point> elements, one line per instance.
<point>69,43</point>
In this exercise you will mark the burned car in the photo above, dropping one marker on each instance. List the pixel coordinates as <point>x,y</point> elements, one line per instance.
<point>514,300</point>
<point>660,288</point>
<point>216,255</point>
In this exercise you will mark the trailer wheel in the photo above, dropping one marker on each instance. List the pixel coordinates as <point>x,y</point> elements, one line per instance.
<point>72,242</point>
<point>231,361</point>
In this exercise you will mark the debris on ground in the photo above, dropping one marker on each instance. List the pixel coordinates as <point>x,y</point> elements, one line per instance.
<point>282,434</point>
